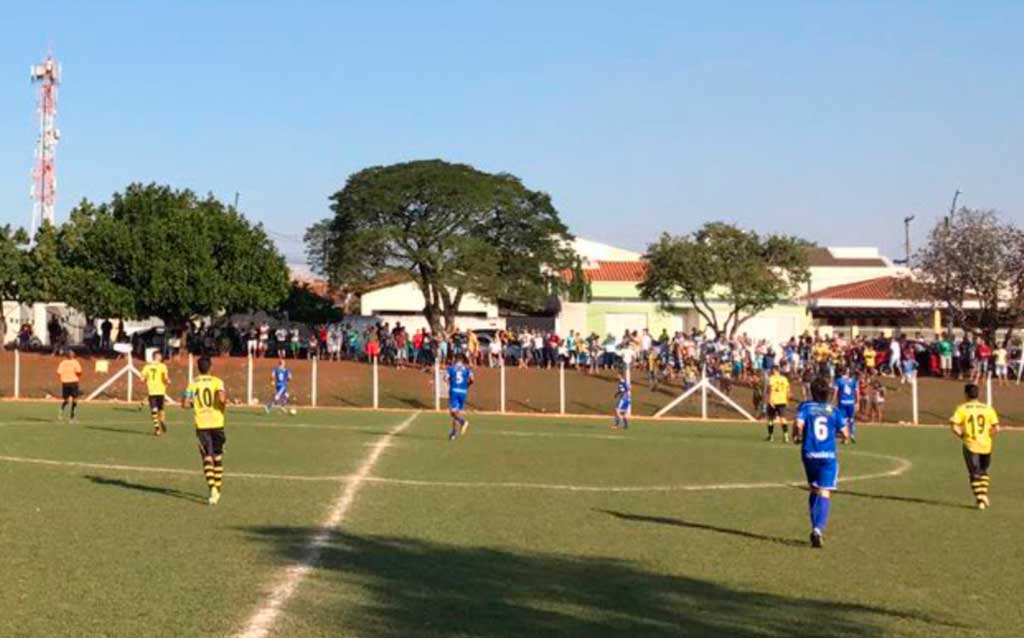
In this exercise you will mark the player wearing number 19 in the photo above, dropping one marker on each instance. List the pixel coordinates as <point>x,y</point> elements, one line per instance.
<point>975,423</point>
<point>816,426</point>
<point>208,399</point>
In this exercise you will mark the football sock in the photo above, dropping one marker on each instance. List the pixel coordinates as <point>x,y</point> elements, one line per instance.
<point>208,470</point>
<point>74,406</point>
<point>156,419</point>
<point>771,429</point>
<point>218,471</point>
<point>820,514</point>
<point>618,420</point>
<point>980,484</point>
<point>812,500</point>
<point>785,428</point>
<point>625,423</point>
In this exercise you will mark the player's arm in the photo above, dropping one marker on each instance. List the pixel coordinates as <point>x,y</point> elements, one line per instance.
<point>471,379</point>
<point>844,432</point>
<point>956,424</point>
<point>186,397</point>
<point>222,398</point>
<point>994,423</point>
<point>798,430</point>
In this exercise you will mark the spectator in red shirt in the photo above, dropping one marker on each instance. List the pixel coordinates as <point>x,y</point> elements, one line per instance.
<point>983,353</point>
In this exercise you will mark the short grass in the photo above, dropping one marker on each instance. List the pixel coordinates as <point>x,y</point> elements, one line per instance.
<point>527,527</point>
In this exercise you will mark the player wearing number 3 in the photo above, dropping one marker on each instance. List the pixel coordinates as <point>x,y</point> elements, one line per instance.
<point>975,423</point>
<point>815,429</point>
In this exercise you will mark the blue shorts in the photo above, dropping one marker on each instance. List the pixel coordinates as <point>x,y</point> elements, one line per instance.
<point>281,392</point>
<point>822,473</point>
<point>622,405</point>
<point>456,402</point>
<point>847,411</point>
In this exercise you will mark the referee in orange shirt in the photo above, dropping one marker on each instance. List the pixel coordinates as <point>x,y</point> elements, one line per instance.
<point>70,373</point>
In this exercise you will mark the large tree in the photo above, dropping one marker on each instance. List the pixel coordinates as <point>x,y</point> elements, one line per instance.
<point>972,267</point>
<point>13,269</point>
<point>156,251</point>
<point>725,273</point>
<point>452,229</point>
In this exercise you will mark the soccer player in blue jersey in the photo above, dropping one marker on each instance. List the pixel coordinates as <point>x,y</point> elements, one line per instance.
<point>624,397</point>
<point>847,395</point>
<point>459,377</point>
<point>281,375</point>
<point>816,427</point>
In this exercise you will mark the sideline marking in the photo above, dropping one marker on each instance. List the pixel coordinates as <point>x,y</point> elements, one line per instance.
<point>902,467</point>
<point>261,622</point>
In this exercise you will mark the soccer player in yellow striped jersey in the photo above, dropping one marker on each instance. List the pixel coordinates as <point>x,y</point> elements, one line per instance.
<point>157,380</point>
<point>778,399</point>
<point>208,399</point>
<point>975,423</point>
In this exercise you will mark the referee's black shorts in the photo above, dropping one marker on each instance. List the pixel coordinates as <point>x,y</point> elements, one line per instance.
<point>69,391</point>
<point>977,464</point>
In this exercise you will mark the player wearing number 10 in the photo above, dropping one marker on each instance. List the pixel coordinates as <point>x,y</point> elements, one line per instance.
<point>207,397</point>
<point>817,423</point>
<point>975,423</point>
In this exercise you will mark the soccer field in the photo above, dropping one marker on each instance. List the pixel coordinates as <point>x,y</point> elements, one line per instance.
<point>524,527</point>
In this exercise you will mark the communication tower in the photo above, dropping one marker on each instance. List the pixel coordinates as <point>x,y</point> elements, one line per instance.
<point>44,175</point>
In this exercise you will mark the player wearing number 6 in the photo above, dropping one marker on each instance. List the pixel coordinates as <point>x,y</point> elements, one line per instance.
<point>975,423</point>
<point>207,397</point>
<point>815,429</point>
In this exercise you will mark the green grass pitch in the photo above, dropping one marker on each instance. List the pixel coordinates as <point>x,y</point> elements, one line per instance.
<point>525,527</point>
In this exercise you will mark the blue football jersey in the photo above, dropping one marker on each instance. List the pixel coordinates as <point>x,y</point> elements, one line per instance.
<point>846,388</point>
<point>458,379</point>
<point>282,376</point>
<point>821,422</point>
<point>624,390</point>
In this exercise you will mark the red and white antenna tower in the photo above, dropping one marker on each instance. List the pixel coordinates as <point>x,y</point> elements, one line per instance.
<point>44,175</point>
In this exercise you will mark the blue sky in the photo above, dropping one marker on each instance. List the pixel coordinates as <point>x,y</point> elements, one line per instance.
<point>830,120</point>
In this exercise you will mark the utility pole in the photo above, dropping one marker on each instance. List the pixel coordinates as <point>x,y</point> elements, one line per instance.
<point>906,237</point>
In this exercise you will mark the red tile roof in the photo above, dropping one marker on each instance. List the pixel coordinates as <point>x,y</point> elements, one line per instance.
<point>613,271</point>
<point>880,288</point>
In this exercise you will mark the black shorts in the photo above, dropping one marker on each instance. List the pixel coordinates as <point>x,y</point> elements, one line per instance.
<point>977,464</point>
<point>776,411</point>
<point>211,442</point>
<point>156,402</point>
<point>69,391</point>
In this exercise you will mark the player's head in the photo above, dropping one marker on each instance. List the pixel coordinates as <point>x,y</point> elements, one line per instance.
<point>204,363</point>
<point>280,361</point>
<point>157,357</point>
<point>844,371</point>
<point>821,389</point>
<point>69,353</point>
<point>971,391</point>
<point>461,358</point>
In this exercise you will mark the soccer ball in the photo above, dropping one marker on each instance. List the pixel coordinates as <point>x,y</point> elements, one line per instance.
<point>292,411</point>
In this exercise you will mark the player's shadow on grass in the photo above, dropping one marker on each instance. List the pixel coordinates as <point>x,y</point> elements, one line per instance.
<point>392,587</point>
<point>902,499</point>
<point>676,522</point>
<point>117,430</point>
<point>151,489</point>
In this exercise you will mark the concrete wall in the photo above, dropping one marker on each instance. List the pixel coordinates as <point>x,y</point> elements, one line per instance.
<point>406,298</point>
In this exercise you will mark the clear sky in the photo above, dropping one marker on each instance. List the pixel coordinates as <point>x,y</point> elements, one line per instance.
<point>830,120</point>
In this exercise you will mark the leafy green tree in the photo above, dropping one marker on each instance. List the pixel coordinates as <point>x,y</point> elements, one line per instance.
<point>13,268</point>
<point>454,230</point>
<point>972,268</point>
<point>579,289</point>
<point>306,306</point>
<point>156,251</point>
<point>725,273</point>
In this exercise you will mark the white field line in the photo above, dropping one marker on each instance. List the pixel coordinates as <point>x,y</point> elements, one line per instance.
<point>164,470</point>
<point>261,623</point>
<point>902,467</point>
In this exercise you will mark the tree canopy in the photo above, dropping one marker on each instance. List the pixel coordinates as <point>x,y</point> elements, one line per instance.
<point>454,230</point>
<point>305,305</point>
<point>156,251</point>
<point>13,268</point>
<point>719,266</point>
<point>973,268</point>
